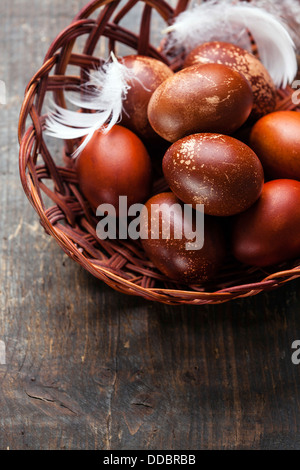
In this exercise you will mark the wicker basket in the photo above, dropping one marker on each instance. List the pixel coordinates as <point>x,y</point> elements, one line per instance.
<point>68,218</point>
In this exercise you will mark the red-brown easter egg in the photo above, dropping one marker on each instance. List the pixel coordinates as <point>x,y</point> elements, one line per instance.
<point>264,90</point>
<point>216,170</point>
<point>148,74</point>
<point>268,233</point>
<point>275,138</point>
<point>202,98</point>
<point>165,216</point>
<point>114,164</point>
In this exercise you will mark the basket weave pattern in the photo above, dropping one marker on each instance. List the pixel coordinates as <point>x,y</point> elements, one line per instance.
<point>69,219</point>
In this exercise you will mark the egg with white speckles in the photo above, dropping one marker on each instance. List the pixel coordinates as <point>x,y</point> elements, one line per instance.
<point>264,90</point>
<point>216,170</point>
<point>201,98</point>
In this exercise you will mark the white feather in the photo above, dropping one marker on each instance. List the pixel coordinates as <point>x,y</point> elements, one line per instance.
<point>222,20</point>
<point>288,11</point>
<point>104,94</point>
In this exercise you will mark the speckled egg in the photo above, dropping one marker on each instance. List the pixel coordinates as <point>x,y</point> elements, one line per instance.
<point>216,170</point>
<point>149,73</point>
<point>201,98</point>
<point>171,255</point>
<point>264,90</point>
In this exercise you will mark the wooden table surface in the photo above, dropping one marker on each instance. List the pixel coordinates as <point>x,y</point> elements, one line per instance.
<point>84,367</point>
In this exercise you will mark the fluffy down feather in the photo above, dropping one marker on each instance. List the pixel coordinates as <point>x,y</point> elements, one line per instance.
<point>223,20</point>
<point>104,94</point>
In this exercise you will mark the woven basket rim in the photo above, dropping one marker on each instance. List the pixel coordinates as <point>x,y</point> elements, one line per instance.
<point>59,55</point>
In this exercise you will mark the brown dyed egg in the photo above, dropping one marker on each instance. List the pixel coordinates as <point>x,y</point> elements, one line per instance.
<point>112,165</point>
<point>264,90</point>
<point>170,253</point>
<point>216,170</point>
<point>268,233</point>
<point>276,140</point>
<point>202,98</point>
<point>149,74</point>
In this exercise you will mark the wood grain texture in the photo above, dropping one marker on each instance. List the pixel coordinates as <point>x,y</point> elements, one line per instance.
<point>88,368</point>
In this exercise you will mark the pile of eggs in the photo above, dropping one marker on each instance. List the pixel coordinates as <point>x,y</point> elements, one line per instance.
<point>212,129</point>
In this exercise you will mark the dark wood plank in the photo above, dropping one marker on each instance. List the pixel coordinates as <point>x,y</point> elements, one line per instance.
<point>89,368</point>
